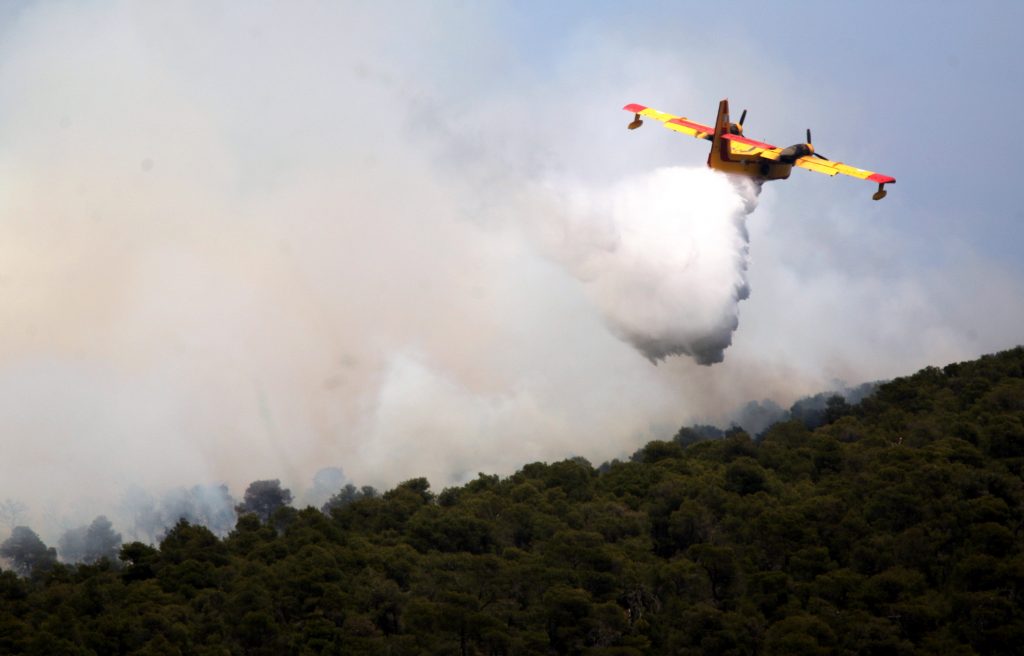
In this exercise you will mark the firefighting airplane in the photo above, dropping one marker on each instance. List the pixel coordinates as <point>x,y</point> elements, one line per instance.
<point>731,152</point>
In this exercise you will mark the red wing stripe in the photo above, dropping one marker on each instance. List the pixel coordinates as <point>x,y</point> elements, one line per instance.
<point>693,126</point>
<point>750,142</point>
<point>878,177</point>
<point>636,109</point>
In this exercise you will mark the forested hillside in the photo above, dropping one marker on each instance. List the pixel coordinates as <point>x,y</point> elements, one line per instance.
<point>893,528</point>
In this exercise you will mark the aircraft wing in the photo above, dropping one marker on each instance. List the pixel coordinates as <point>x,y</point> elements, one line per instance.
<point>677,123</point>
<point>828,167</point>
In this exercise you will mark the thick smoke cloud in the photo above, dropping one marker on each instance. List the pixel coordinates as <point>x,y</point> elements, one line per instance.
<point>251,242</point>
<point>664,256</point>
<point>221,264</point>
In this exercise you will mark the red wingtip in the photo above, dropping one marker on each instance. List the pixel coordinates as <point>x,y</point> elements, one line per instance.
<point>881,179</point>
<point>636,109</point>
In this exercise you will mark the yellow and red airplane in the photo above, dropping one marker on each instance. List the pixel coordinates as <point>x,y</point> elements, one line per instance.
<point>731,152</point>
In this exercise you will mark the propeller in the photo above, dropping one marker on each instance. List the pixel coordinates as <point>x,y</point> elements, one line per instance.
<point>813,152</point>
<point>742,117</point>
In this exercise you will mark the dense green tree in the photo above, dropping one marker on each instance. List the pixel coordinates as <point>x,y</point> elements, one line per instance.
<point>263,498</point>
<point>347,495</point>
<point>26,551</point>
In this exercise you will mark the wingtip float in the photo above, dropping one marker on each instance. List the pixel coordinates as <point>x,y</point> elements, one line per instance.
<point>731,152</point>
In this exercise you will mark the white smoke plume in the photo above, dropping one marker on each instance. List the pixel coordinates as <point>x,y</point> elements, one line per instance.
<point>664,257</point>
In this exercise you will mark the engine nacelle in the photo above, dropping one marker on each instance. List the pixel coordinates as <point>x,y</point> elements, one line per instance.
<point>795,152</point>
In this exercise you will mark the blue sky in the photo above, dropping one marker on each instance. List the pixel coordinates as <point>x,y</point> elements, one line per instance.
<point>906,88</point>
<point>308,231</point>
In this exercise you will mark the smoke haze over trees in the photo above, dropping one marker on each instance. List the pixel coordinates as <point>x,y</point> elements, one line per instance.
<point>88,544</point>
<point>326,482</point>
<point>147,516</point>
<point>892,527</point>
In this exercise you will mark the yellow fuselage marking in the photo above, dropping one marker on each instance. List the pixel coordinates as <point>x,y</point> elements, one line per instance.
<point>755,167</point>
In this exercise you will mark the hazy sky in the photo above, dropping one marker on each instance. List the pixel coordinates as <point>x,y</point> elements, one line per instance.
<point>251,240</point>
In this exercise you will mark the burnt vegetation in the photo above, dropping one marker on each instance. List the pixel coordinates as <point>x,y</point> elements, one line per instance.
<point>888,526</point>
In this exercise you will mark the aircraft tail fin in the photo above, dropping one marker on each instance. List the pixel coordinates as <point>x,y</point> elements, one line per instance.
<point>722,122</point>
<point>718,145</point>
